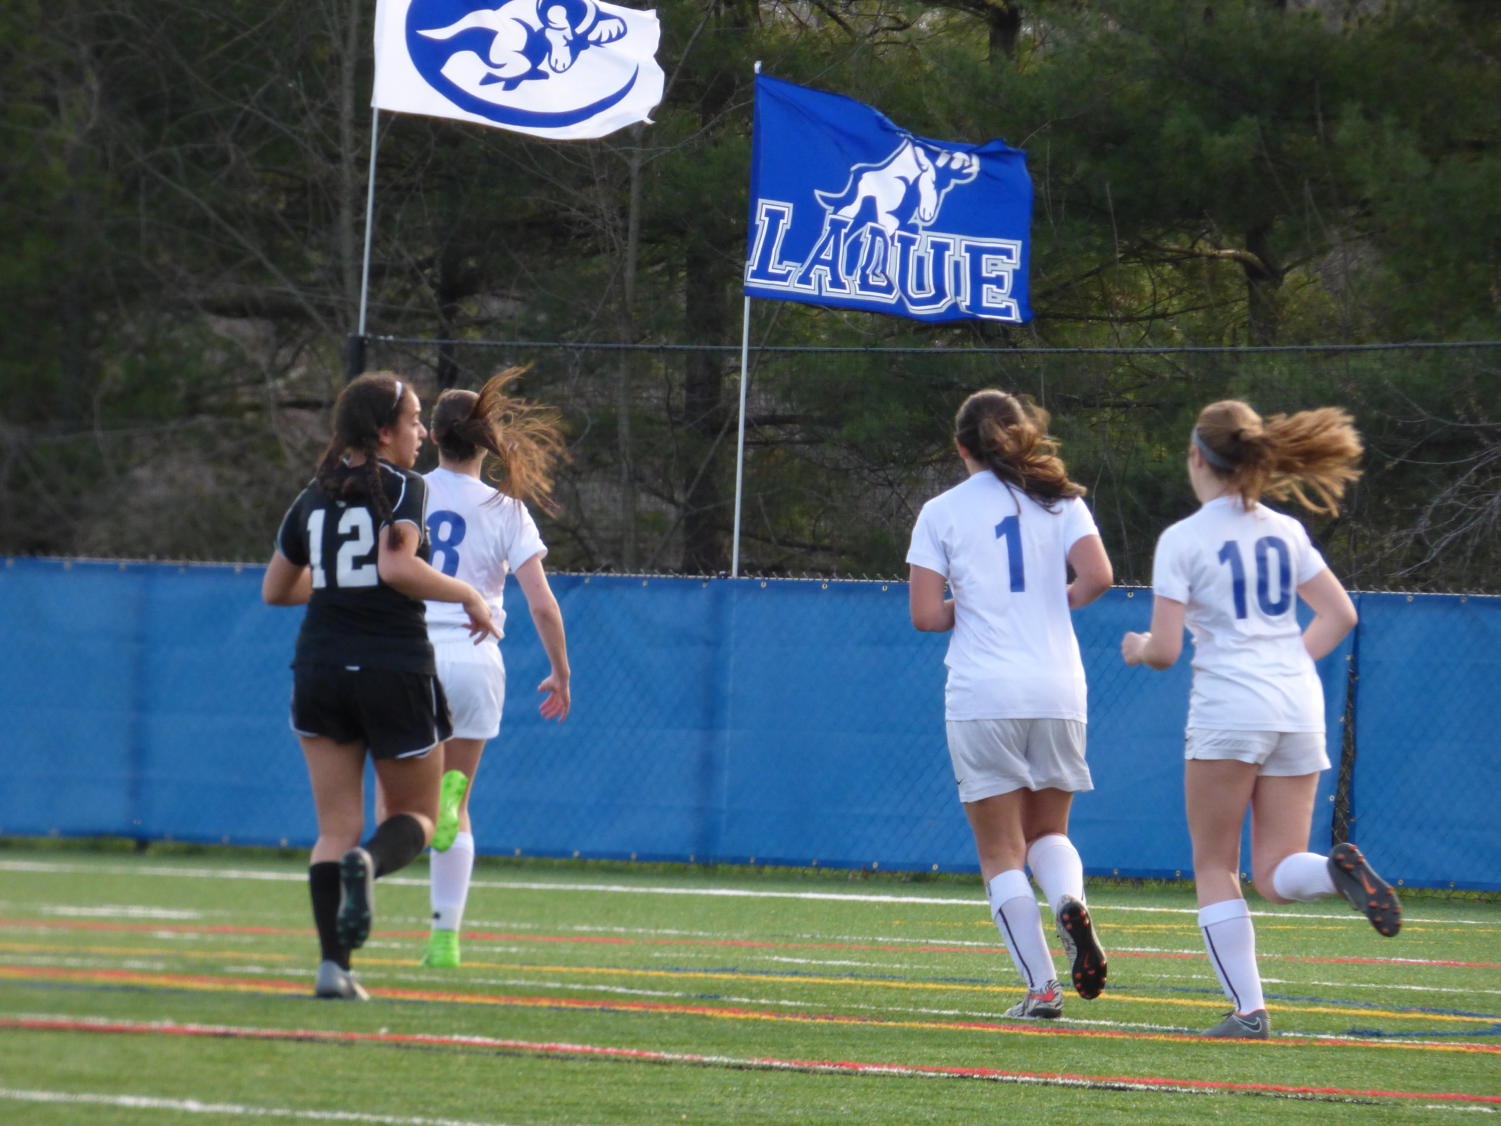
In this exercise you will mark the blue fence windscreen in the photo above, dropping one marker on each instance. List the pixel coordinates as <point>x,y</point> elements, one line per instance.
<point>742,721</point>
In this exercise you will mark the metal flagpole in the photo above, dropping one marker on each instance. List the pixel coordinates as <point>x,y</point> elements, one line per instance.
<point>740,439</point>
<point>356,355</point>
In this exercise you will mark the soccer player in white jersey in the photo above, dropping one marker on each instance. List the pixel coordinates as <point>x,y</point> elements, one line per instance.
<point>1233,572</point>
<point>1014,705</point>
<point>482,534</point>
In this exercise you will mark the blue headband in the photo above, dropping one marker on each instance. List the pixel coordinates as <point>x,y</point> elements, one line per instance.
<point>1218,460</point>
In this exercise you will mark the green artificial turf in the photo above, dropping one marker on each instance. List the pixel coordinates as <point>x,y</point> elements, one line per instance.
<point>594,994</point>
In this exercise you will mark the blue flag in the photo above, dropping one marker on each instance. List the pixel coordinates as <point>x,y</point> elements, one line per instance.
<point>848,209</point>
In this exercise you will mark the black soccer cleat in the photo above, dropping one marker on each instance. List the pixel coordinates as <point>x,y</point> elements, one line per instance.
<point>356,898</point>
<point>1367,892</point>
<point>1086,960</point>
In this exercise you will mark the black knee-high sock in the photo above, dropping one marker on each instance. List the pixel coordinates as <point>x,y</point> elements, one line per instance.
<point>396,842</point>
<point>323,883</point>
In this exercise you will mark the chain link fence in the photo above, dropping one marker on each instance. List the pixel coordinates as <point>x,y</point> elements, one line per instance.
<point>842,447</point>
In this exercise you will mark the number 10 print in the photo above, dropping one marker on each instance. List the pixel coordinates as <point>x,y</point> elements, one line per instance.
<point>1266,546</point>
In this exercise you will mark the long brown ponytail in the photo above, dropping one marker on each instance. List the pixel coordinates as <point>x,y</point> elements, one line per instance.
<point>525,438</point>
<point>1008,435</point>
<point>1287,456</point>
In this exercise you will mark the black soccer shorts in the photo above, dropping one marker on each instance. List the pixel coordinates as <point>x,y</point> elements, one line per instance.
<point>394,712</point>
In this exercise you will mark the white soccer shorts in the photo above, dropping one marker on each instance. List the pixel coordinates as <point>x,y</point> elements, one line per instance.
<point>996,756</point>
<point>1279,754</point>
<point>474,679</point>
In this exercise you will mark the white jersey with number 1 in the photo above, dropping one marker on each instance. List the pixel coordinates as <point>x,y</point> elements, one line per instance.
<point>1237,573</point>
<point>475,538</point>
<point>1013,653</point>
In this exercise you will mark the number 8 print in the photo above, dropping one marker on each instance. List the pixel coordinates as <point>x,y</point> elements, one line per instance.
<point>446,529</point>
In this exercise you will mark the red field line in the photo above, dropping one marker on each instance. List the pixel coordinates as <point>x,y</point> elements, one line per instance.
<point>282,987</point>
<point>729,943</point>
<point>850,1067</point>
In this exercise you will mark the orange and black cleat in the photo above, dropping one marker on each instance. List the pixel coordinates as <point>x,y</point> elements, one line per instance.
<point>1081,947</point>
<point>1367,892</point>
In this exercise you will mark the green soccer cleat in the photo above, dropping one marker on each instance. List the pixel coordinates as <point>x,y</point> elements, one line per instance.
<point>442,951</point>
<point>450,799</point>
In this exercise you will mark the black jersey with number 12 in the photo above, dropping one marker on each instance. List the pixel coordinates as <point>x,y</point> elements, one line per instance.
<point>353,619</point>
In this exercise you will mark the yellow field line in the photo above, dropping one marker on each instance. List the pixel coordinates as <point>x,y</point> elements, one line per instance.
<point>287,988</point>
<point>788,979</point>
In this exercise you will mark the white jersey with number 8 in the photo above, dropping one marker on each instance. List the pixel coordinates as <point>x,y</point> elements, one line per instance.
<point>476,539</point>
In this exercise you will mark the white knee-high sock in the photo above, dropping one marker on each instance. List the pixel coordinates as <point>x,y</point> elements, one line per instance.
<point>1302,877</point>
<point>1014,909</point>
<point>1057,868</point>
<point>1230,939</point>
<point>449,882</point>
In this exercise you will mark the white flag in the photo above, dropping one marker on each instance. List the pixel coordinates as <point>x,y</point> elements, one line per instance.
<point>562,69</point>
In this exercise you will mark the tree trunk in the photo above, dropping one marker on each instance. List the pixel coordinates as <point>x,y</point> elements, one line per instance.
<point>350,249</point>
<point>703,410</point>
<point>627,479</point>
<point>1263,281</point>
<point>1003,24</point>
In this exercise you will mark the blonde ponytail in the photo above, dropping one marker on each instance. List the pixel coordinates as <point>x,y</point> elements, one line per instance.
<point>1309,456</point>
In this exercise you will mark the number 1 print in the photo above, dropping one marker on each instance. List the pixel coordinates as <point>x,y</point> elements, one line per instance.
<point>1010,530</point>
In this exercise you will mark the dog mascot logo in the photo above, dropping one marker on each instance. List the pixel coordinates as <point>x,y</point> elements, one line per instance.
<point>532,40</point>
<point>881,245</point>
<point>535,65</point>
<point>904,190</point>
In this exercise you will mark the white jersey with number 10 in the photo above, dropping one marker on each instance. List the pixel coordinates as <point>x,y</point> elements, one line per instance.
<point>1237,573</point>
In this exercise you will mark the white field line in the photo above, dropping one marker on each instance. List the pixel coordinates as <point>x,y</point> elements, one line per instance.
<point>395,945</point>
<point>129,911</point>
<point>967,902</point>
<point>228,1110</point>
<point>390,974</point>
<point>750,955</point>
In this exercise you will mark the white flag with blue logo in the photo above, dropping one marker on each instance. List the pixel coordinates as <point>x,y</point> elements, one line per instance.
<point>847,209</point>
<point>561,69</point>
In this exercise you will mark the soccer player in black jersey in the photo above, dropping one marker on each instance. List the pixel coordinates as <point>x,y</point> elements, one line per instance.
<point>353,548</point>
